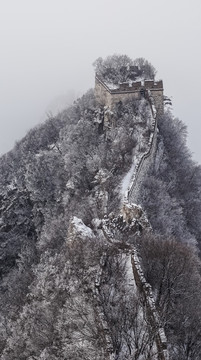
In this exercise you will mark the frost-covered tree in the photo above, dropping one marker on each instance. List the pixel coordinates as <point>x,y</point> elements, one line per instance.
<point>49,307</point>
<point>121,68</point>
<point>173,270</point>
<point>171,191</point>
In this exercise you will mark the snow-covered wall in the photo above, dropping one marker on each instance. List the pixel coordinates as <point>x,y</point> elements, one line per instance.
<point>144,162</point>
<point>132,196</point>
<point>141,171</point>
<point>153,91</point>
<point>152,314</point>
<point>132,185</point>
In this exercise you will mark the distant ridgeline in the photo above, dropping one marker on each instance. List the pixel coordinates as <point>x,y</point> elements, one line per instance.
<point>108,94</point>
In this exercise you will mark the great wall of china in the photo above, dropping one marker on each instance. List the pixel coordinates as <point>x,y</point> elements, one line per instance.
<point>129,213</point>
<point>153,92</point>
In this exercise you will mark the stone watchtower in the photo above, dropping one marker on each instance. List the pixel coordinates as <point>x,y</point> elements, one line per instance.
<point>109,94</point>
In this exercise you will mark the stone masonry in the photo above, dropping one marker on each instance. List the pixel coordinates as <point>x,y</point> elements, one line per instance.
<point>108,95</point>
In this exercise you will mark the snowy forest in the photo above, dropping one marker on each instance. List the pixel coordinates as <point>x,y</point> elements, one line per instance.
<point>66,290</point>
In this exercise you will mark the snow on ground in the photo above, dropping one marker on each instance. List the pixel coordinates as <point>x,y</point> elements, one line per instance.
<point>111,86</point>
<point>141,149</point>
<point>81,228</point>
<point>127,179</point>
<point>130,281</point>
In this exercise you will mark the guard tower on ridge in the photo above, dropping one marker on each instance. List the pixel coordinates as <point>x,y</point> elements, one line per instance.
<point>109,94</point>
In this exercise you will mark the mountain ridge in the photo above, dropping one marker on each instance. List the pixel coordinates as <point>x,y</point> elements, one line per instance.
<point>72,167</point>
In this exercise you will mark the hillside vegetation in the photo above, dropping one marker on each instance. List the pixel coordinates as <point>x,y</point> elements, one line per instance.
<point>70,166</point>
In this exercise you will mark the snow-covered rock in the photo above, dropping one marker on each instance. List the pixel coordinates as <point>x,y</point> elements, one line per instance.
<point>131,211</point>
<point>78,229</point>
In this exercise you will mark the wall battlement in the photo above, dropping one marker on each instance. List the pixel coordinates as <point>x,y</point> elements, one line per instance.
<point>108,95</point>
<point>137,86</point>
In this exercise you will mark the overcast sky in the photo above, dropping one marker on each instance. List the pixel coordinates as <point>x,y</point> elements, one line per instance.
<point>48,47</point>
